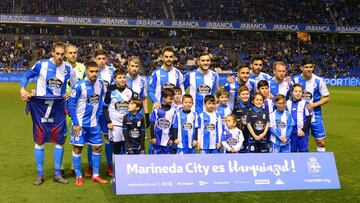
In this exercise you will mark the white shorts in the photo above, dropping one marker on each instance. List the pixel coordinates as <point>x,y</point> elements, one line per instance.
<point>116,134</point>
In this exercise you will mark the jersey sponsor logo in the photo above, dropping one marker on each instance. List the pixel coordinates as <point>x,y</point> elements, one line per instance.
<point>307,95</point>
<point>281,125</point>
<point>93,99</point>
<point>187,126</point>
<point>167,85</point>
<point>134,133</point>
<point>121,106</point>
<point>210,127</point>
<point>203,89</point>
<point>259,125</point>
<point>54,83</point>
<point>162,123</point>
<point>231,141</point>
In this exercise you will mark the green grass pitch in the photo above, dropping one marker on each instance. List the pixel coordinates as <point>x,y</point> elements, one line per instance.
<point>342,120</point>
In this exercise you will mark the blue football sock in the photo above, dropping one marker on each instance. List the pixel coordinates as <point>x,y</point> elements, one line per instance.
<point>108,152</point>
<point>89,154</point>
<point>39,154</point>
<point>96,160</point>
<point>76,159</point>
<point>58,157</point>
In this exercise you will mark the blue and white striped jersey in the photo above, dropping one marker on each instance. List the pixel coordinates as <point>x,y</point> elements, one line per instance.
<point>186,124</point>
<point>162,128</point>
<point>233,88</point>
<point>269,105</point>
<point>299,112</point>
<point>200,86</point>
<point>279,88</point>
<point>281,124</point>
<point>162,79</point>
<point>261,76</point>
<point>118,103</point>
<point>52,79</point>
<point>223,111</point>
<point>138,86</point>
<point>85,102</point>
<point>107,75</point>
<point>314,89</point>
<point>209,130</point>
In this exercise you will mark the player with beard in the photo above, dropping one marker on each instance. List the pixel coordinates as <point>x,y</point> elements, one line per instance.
<point>164,77</point>
<point>242,79</point>
<point>278,84</point>
<point>202,82</point>
<point>257,64</point>
<point>106,74</point>
<point>138,85</point>
<point>316,92</point>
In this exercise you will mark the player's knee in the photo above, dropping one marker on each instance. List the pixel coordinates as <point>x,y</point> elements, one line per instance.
<point>37,146</point>
<point>96,149</point>
<point>77,149</point>
<point>320,143</point>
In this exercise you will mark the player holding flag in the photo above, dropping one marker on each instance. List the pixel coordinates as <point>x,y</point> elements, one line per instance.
<point>53,75</point>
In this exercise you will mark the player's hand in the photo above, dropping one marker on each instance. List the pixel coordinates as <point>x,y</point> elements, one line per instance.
<point>194,143</point>
<point>33,92</point>
<point>153,141</point>
<point>110,126</point>
<point>77,130</point>
<point>170,142</point>
<point>287,79</point>
<point>218,145</point>
<point>284,140</point>
<point>232,150</point>
<point>301,133</point>
<point>156,105</point>
<point>25,95</point>
<point>310,106</point>
<point>230,79</point>
<point>66,96</point>
<point>176,141</point>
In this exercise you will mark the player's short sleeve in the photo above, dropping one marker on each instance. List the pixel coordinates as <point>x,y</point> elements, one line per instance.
<point>323,89</point>
<point>187,80</point>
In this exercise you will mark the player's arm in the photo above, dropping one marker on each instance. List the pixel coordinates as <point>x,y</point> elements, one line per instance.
<point>187,81</point>
<point>152,126</point>
<point>174,130</point>
<point>216,83</point>
<point>105,108</point>
<point>72,103</point>
<point>224,143</point>
<point>308,116</point>
<point>325,96</point>
<point>33,72</point>
<point>181,83</point>
<point>142,135</point>
<point>152,88</point>
<point>240,139</point>
<point>125,131</point>
<point>289,126</point>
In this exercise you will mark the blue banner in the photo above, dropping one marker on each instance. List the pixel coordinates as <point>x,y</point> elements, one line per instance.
<point>349,81</point>
<point>126,22</point>
<point>13,77</point>
<point>150,174</point>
